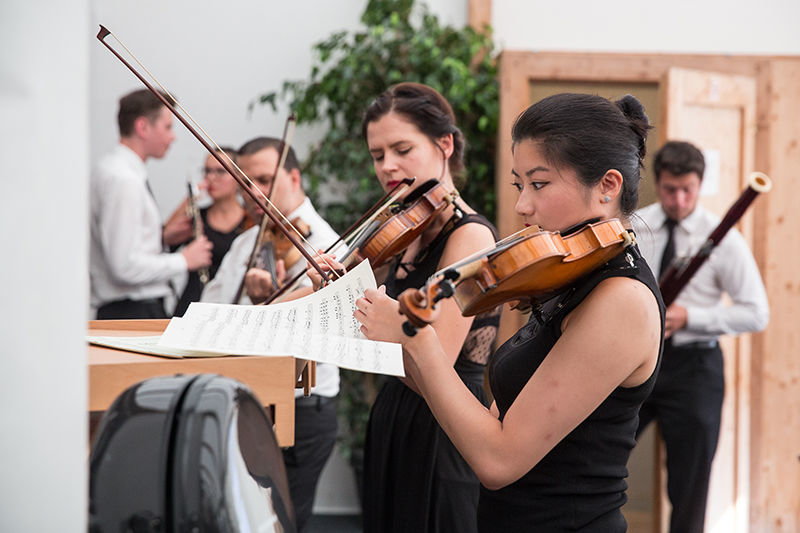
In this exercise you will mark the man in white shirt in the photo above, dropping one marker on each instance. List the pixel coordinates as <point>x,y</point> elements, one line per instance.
<point>315,415</point>
<point>687,399</point>
<point>129,272</point>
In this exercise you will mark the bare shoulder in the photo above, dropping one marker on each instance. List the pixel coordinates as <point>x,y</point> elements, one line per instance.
<point>622,315</point>
<point>622,294</point>
<point>465,240</point>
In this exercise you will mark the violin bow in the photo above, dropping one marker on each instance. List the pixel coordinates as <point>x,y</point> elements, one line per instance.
<point>286,142</point>
<point>227,163</point>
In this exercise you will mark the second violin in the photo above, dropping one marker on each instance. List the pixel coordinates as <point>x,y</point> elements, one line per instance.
<point>529,265</point>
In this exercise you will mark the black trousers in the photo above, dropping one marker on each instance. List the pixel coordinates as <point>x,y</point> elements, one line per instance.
<point>687,404</point>
<point>121,309</point>
<point>315,429</point>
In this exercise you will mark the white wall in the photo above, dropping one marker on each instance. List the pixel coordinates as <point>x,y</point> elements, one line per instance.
<point>44,152</point>
<point>690,26</point>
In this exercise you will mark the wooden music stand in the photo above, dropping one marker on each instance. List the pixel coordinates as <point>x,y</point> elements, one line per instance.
<point>272,379</point>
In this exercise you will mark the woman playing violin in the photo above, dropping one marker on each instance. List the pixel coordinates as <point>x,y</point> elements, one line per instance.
<point>551,450</point>
<point>414,479</point>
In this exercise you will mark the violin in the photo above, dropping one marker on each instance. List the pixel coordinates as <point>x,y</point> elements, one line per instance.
<point>270,247</point>
<point>276,247</point>
<point>390,226</point>
<point>396,227</point>
<point>528,266</point>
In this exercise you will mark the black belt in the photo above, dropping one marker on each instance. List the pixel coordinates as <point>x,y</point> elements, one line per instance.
<point>145,301</point>
<point>315,400</point>
<point>697,345</point>
<point>128,308</point>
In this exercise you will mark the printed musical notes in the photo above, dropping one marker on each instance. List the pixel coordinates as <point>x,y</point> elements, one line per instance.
<point>319,327</point>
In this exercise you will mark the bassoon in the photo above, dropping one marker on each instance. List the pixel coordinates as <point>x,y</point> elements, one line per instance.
<point>680,273</point>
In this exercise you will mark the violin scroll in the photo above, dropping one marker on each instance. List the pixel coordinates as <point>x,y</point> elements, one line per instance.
<point>419,306</point>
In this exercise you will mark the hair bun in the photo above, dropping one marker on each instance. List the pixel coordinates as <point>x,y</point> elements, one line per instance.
<point>633,109</point>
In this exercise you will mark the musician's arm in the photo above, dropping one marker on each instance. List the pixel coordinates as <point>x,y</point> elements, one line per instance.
<point>610,338</point>
<point>738,275</point>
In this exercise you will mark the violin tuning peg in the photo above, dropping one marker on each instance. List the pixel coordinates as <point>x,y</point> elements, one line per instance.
<point>409,329</point>
<point>451,274</point>
<point>446,290</point>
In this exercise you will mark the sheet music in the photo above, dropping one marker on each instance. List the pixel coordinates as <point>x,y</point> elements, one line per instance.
<point>319,327</point>
<point>146,345</point>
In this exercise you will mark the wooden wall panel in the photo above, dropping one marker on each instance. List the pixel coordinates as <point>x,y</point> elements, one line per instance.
<point>775,448</point>
<point>479,13</point>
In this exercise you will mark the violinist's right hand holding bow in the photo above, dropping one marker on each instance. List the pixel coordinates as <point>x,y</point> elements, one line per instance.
<point>328,263</point>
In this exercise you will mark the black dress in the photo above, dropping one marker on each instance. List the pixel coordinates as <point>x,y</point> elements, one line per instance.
<point>580,484</point>
<point>414,478</point>
<point>221,243</point>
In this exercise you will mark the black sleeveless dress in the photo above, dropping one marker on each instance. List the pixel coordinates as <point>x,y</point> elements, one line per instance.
<point>221,243</point>
<point>580,484</point>
<point>414,478</point>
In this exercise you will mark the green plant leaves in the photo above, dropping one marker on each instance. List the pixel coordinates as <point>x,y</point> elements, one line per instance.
<point>398,43</point>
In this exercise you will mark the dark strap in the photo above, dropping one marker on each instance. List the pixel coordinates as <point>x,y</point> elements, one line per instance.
<point>623,265</point>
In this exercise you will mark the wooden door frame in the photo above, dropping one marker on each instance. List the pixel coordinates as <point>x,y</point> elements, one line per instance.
<point>774,381</point>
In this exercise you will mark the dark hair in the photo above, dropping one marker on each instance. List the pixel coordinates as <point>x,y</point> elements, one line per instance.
<point>428,110</point>
<point>141,103</point>
<point>679,158</point>
<point>590,135</point>
<point>262,143</point>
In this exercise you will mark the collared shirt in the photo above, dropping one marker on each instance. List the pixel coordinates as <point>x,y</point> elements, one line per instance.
<point>126,255</point>
<point>222,289</point>
<point>730,269</point>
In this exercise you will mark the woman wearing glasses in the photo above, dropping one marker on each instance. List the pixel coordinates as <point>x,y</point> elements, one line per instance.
<point>222,222</point>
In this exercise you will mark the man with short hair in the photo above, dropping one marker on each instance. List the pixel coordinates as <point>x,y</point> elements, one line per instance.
<point>687,398</point>
<point>315,415</point>
<point>129,272</point>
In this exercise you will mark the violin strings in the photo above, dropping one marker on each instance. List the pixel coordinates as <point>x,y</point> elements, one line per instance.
<point>361,229</point>
<point>497,247</point>
<point>222,153</point>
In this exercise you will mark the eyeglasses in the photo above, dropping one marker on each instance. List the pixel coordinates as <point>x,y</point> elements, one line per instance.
<point>214,172</point>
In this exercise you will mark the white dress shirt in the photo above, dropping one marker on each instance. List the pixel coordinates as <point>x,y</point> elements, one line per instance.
<point>222,289</point>
<point>126,256</point>
<point>730,269</point>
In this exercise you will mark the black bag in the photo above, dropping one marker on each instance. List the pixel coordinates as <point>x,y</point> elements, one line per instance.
<point>192,453</point>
